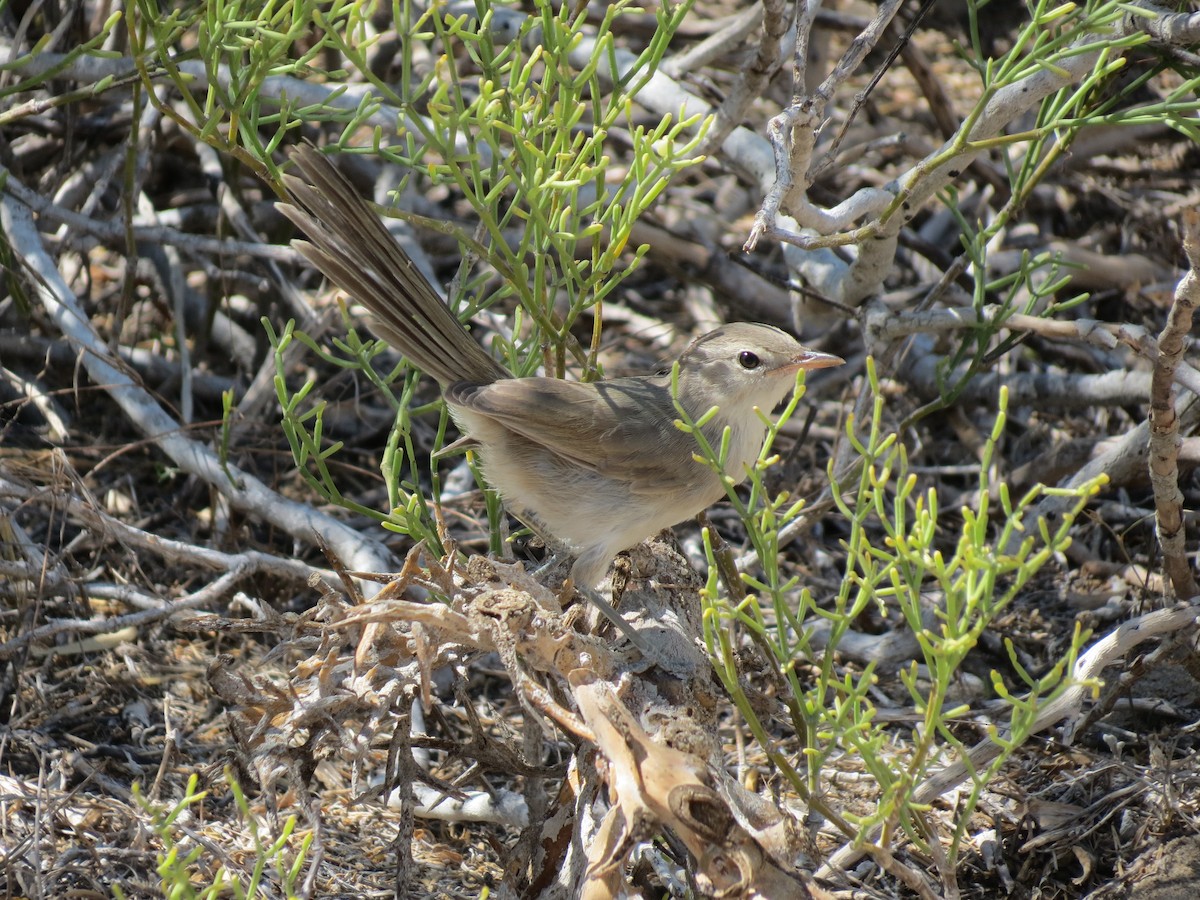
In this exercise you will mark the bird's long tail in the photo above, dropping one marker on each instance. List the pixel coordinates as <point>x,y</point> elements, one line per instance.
<point>350,245</point>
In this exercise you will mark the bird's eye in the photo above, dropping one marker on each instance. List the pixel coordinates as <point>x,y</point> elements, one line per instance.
<point>749,360</point>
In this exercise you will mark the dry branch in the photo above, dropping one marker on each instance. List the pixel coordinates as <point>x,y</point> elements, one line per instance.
<point>1164,420</point>
<point>243,490</point>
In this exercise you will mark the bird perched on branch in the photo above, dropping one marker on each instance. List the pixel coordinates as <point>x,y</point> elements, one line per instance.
<point>597,466</point>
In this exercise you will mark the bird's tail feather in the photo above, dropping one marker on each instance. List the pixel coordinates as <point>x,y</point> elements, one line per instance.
<point>350,245</point>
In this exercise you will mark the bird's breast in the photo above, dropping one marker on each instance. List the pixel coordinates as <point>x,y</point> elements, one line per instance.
<point>745,441</point>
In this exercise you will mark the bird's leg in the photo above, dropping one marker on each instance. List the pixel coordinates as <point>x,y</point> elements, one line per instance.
<point>618,622</point>
<point>546,566</point>
<point>602,606</point>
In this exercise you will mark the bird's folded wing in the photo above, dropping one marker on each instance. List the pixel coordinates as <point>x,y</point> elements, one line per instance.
<point>623,428</point>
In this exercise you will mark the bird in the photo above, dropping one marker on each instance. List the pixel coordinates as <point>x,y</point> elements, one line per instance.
<point>594,467</point>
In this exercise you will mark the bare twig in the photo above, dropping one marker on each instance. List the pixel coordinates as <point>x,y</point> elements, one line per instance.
<point>750,86</point>
<point>243,490</point>
<point>124,625</point>
<point>1164,421</point>
<point>113,233</point>
<point>908,194</point>
<point>173,552</point>
<point>736,30</point>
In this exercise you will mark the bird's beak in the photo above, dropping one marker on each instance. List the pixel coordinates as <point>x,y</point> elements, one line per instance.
<point>813,359</point>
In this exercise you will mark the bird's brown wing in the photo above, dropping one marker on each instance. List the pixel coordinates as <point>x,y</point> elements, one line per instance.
<point>623,428</point>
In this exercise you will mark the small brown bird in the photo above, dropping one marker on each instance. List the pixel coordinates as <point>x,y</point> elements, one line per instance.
<point>598,467</point>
